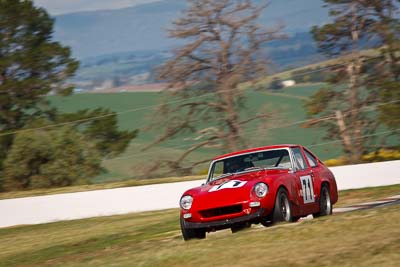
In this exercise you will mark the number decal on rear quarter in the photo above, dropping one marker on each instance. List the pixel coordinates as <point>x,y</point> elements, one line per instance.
<point>307,188</point>
<point>228,184</point>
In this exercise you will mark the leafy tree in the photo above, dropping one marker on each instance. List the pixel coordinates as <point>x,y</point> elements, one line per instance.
<point>103,131</point>
<point>355,26</point>
<point>385,74</point>
<point>63,155</point>
<point>31,65</point>
<point>50,158</point>
<point>222,49</point>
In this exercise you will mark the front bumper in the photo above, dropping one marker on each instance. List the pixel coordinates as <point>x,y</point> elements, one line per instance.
<point>227,223</point>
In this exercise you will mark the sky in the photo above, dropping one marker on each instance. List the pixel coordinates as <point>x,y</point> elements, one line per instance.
<point>57,7</point>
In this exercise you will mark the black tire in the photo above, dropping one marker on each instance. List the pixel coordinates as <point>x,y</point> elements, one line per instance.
<point>282,209</point>
<point>266,221</point>
<point>188,234</point>
<point>295,218</point>
<point>325,204</point>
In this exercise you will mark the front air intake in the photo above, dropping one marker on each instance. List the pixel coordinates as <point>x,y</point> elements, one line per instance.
<point>221,211</point>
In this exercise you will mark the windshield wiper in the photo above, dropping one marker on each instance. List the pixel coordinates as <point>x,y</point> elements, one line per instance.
<point>276,168</point>
<point>253,168</point>
<point>222,176</point>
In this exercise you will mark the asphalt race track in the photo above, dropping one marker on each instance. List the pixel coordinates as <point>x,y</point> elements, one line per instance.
<point>394,200</point>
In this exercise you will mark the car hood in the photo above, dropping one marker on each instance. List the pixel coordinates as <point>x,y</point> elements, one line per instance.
<point>229,190</point>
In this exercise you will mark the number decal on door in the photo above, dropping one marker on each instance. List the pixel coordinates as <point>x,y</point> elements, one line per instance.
<point>307,188</point>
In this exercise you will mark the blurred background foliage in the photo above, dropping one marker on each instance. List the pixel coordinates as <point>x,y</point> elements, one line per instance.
<point>50,158</point>
<point>32,66</point>
<point>51,135</point>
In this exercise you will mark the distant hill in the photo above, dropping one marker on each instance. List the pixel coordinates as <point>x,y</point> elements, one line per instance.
<point>137,67</point>
<point>142,27</point>
<point>106,32</point>
<point>122,47</point>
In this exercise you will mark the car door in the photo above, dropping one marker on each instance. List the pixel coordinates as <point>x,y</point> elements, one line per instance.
<point>316,169</point>
<point>305,182</point>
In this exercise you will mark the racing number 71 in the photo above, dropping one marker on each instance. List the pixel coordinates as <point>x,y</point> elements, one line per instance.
<point>307,188</point>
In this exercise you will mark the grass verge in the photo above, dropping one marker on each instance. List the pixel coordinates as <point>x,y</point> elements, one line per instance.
<point>353,196</point>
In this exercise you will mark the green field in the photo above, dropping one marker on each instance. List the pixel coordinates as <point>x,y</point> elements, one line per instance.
<point>363,238</point>
<point>286,106</point>
<point>136,111</point>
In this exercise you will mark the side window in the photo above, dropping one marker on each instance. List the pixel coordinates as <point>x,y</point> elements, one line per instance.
<point>311,159</point>
<point>217,170</point>
<point>299,160</point>
<point>285,162</point>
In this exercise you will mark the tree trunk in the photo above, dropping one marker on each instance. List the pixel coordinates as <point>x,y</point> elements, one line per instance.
<point>343,132</point>
<point>232,120</point>
<point>353,71</point>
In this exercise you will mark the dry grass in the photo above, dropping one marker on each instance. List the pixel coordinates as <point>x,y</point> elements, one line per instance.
<point>363,238</point>
<point>352,196</point>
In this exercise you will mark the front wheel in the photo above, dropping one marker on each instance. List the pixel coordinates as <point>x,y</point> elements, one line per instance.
<point>282,209</point>
<point>325,205</point>
<point>266,221</point>
<point>238,227</point>
<point>188,234</point>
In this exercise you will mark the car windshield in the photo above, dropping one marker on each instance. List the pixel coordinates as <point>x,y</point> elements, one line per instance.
<point>252,161</point>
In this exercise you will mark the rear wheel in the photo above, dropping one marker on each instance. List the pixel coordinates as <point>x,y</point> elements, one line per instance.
<point>325,205</point>
<point>188,233</point>
<point>295,219</point>
<point>282,209</point>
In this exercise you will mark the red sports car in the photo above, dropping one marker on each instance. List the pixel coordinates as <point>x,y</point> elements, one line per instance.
<point>260,185</point>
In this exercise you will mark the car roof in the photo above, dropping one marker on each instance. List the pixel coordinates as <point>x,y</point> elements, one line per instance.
<point>250,150</point>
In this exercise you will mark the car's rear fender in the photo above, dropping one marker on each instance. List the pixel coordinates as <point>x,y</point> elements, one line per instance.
<point>329,179</point>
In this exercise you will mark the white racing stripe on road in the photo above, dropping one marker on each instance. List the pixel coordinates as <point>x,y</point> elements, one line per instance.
<point>340,210</point>
<point>394,197</point>
<point>367,205</point>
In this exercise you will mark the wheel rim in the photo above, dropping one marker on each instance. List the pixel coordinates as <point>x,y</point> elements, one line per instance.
<point>285,208</point>
<point>326,201</point>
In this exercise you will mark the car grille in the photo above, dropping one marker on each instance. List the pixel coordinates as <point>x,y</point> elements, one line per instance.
<point>221,211</point>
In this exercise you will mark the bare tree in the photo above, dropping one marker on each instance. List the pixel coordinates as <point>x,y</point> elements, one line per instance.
<point>352,30</point>
<point>222,49</point>
<point>386,73</point>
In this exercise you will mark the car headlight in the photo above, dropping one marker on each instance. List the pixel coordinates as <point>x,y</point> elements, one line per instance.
<point>261,190</point>
<point>186,202</point>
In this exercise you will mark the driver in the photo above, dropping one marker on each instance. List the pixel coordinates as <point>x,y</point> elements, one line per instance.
<point>234,166</point>
<point>237,165</point>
